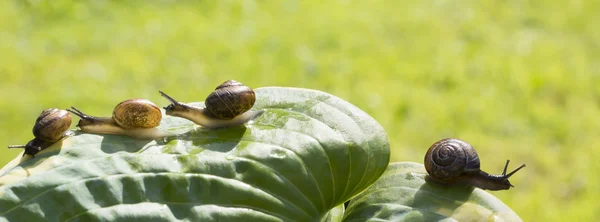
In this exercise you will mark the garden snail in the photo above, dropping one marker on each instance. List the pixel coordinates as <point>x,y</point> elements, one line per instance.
<point>50,127</point>
<point>137,118</point>
<point>229,105</point>
<point>453,161</point>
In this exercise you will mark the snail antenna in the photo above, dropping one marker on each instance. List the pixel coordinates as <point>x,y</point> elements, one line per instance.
<point>505,167</point>
<point>514,171</point>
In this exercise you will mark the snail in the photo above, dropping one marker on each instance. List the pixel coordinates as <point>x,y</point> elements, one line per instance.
<point>137,118</point>
<point>229,105</point>
<point>453,161</point>
<point>49,128</point>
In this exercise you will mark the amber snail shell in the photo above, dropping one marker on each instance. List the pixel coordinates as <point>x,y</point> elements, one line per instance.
<point>137,113</point>
<point>455,162</point>
<point>228,105</point>
<point>49,127</point>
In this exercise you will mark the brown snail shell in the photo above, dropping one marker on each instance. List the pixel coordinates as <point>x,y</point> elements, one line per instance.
<point>137,113</point>
<point>449,159</point>
<point>49,127</point>
<point>52,124</point>
<point>230,99</point>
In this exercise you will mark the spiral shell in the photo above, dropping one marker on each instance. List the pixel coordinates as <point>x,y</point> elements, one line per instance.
<point>52,124</point>
<point>449,159</point>
<point>137,113</point>
<point>230,99</point>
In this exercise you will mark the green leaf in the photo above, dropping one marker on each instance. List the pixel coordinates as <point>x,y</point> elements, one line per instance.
<point>308,153</point>
<point>334,215</point>
<point>401,194</point>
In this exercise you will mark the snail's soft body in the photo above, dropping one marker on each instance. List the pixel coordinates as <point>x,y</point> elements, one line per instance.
<point>205,119</point>
<point>49,128</point>
<point>229,105</point>
<point>455,162</point>
<point>103,125</point>
<point>137,118</point>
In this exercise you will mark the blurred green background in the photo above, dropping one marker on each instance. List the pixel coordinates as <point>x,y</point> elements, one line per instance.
<point>517,79</point>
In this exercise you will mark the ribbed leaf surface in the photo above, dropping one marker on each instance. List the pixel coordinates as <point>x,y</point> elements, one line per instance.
<point>401,194</point>
<point>307,154</point>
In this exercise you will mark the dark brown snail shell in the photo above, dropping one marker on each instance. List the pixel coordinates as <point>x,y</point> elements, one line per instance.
<point>230,99</point>
<point>449,159</point>
<point>455,162</point>
<point>49,127</point>
<point>52,124</point>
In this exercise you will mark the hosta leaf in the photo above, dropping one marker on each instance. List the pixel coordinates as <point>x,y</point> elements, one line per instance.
<point>307,154</point>
<point>334,215</point>
<point>402,194</point>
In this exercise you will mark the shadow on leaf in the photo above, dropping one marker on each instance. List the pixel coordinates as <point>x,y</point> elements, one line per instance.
<point>116,143</point>
<point>440,201</point>
<point>200,139</point>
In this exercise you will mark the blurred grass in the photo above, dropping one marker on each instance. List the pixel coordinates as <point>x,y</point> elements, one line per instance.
<point>517,79</point>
